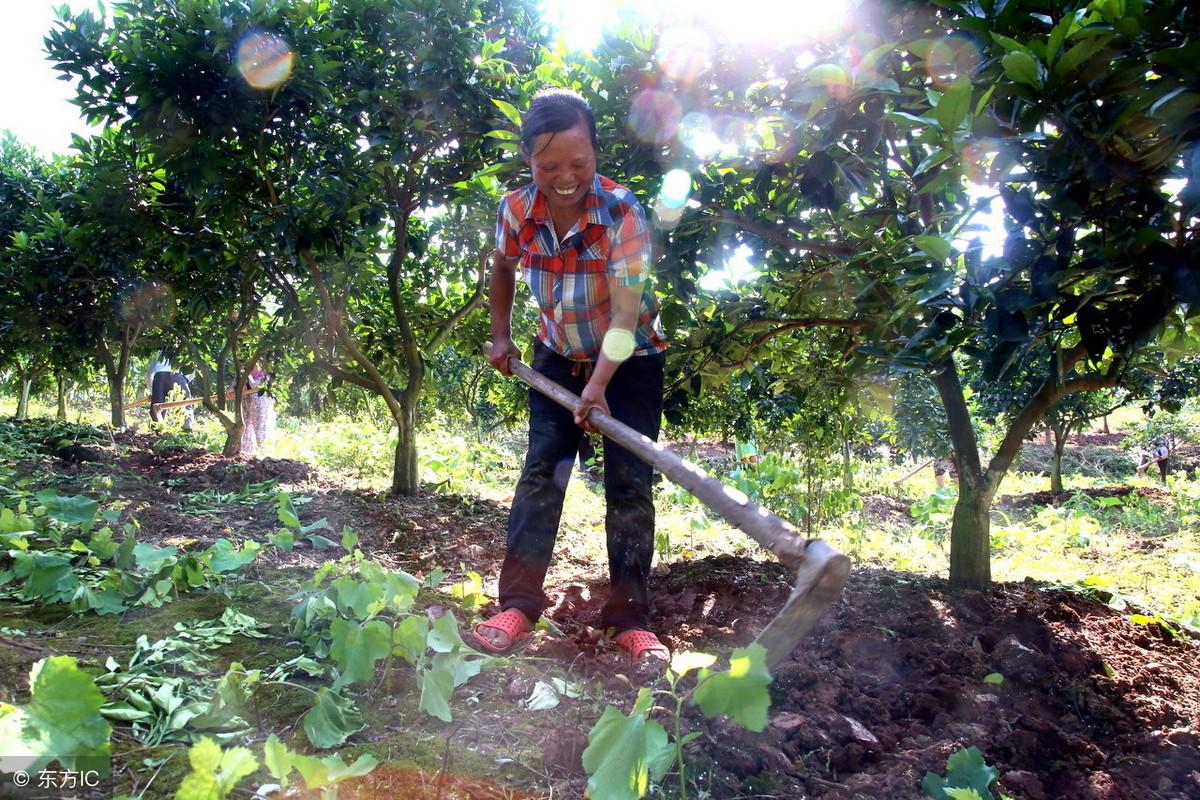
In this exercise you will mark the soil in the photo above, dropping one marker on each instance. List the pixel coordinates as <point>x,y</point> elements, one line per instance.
<point>888,686</point>
<point>1051,499</point>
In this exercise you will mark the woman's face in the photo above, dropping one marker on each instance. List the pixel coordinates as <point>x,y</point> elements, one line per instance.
<point>563,165</point>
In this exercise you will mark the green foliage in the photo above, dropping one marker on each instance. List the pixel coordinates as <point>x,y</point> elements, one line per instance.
<point>62,721</point>
<point>739,692</point>
<point>933,513</point>
<point>215,772</point>
<point>366,616</point>
<point>167,690</point>
<point>968,777</point>
<point>54,556</point>
<point>626,752</point>
<point>331,719</point>
<point>211,502</point>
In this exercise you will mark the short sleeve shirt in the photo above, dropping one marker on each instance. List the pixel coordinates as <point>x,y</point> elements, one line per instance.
<point>570,277</point>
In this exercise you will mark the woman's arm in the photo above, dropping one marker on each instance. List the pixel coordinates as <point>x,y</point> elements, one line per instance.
<point>500,303</point>
<point>618,346</point>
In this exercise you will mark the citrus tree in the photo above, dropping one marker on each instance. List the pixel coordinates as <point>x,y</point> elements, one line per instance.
<point>333,126</point>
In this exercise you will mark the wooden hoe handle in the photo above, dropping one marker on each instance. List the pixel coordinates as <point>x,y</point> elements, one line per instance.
<point>818,565</point>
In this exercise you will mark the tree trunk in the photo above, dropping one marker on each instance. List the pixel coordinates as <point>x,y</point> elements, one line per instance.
<point>970,549</point>
<point>61,416</point>
<point>219,378</point>
<point>23,398</point>
<point>1060,444</point>
<point>970,537</point>
<point>233,439</point>
<point>405,477</point>
<point>847,467</point>
<point>115,371</point>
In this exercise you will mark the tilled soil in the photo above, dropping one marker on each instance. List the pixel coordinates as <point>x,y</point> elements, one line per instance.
<point>891,682</point>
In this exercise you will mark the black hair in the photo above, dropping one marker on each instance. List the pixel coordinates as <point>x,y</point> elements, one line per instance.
<point>555,110</point>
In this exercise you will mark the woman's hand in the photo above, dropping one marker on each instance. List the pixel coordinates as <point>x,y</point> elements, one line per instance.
<point>591,397</point>
<point>502,349</point>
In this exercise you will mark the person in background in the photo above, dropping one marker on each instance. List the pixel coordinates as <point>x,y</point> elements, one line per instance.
<point>583,246</point>
<point>1160,454</point>
<point>161,380</point>
<point>258,413</point>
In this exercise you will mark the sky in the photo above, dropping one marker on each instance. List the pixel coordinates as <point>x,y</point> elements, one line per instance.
<point>35,105</point>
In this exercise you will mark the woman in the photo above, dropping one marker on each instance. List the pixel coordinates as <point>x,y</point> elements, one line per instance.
<point>258,413</point>
<point>583,246</point>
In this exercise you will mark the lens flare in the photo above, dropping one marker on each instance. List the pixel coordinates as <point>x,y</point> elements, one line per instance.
<point>683,53</point>
<point>618,344</point>
<point>775,137</point>
<point>667,217</point>
<point>654,116</point>
<point>696,133</point>
<point>737,134</point>
<point>677,185</point>
<point>150,304</point>
<point>265,60</point>
<point>951,58</point>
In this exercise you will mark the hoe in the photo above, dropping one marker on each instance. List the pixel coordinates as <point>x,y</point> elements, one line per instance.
<point>821,571</point>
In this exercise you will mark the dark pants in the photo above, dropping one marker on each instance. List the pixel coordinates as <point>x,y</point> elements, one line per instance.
<point>161,385</point>
<point>634,397</point>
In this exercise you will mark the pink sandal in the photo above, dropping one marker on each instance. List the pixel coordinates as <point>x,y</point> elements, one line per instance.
<point>511,623</point>
<point>637,643</point>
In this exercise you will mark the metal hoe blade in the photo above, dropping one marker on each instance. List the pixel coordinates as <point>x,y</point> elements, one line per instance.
<point>821,571</point>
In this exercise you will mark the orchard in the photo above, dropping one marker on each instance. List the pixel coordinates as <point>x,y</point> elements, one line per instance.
<point>926,272</point>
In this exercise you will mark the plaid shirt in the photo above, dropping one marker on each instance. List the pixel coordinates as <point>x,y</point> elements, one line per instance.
<point>570,279</point>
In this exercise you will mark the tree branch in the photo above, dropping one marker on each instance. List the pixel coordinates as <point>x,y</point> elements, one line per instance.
<point>778,236</point>
<point>473,302</point>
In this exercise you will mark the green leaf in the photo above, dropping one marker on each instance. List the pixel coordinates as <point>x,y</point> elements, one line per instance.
<point>215,773</point>
<point>320,773</point>
<point>62,721</point>
<point>625,752</point>
<point>356,648</point>
<point>934,246</point>
<point>278,758</point>
<point>469,591</point>
<point>283,539</point>
<point>287,511</point>
<point>509,111</point>
<point>331,720</point>
<point>1083,51</point>
<point>1023,68</point>
<point>684,661</point>
<point>933,159</point>
<point>222,557</point>
<point>741,692</point>
<point>358,600</point>
<point>437,685</point>
<point>150,558</point>
<point>444,636</point>
<point>349,539</point>
<point>77,510</point>
<point>409,638</point>
<point>965,769</point>
<point>963,794</point>
<point>542,698</point>
<point>994,678</point>
<point>954,106</point>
